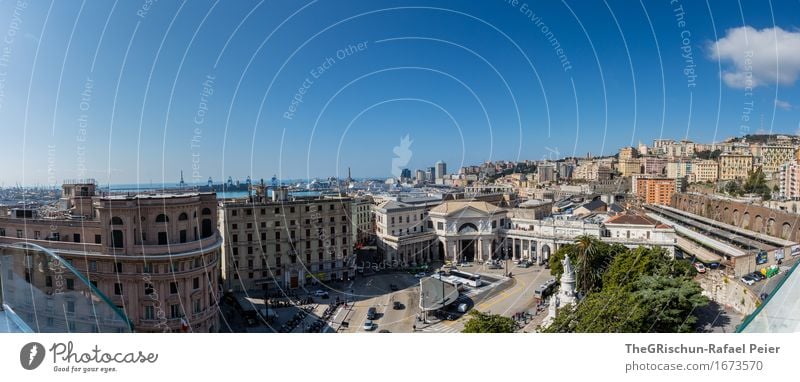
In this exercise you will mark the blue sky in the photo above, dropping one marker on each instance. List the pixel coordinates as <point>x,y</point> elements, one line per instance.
<point>107,90</point>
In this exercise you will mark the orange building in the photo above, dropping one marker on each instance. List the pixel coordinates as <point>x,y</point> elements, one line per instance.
<point>655,190</point>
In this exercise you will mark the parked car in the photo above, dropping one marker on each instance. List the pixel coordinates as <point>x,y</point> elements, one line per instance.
<point>369,325</point>
<point>371,312</point>
<point>524,264</point>
<point>420,275</point>
<point>464,265</point>
<point>397,305</point>
<point>757,276</point>
<point>320,293</point>
<point>714,265</point>
<point>747,280</point>
<point>393,287</point>
<point>700,267</point>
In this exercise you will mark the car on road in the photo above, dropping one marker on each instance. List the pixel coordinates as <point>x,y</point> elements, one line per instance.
<point>397,305</point>
<point>714,265</point>
<point>320,293</point>
<point>747,280</point>
<point>369,325</point>
<point>371,312</point>
<point>419,275</point>
<point>700,267</point>
<point>393,287</point>
<point>757,276</point>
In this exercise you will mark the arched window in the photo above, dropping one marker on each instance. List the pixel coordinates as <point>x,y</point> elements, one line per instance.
<point>161,218</point>
<point>206,211</point>
<point>116,220</point>
<point>183,216</point>
<point>467,228</point>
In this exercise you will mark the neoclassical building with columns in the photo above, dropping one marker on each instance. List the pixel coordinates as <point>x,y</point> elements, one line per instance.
<point>477,231</point>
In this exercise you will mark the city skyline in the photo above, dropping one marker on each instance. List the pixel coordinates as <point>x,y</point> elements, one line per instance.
<point>131,95</point>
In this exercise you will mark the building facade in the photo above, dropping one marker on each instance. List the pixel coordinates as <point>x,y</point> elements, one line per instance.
<point>404,234</point>
<point>735,166</point>
<point>285,243</point>
<point>155,256</point>
<point>655,190</point>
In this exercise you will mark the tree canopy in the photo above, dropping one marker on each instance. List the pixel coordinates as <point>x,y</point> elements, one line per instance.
<point>480,322</point>
<point>642,290</point>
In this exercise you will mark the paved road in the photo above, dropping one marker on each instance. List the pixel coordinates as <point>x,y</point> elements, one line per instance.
<point>510,298</point>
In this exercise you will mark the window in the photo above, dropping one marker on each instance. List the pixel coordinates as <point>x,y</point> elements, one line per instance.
<point>70,284</point>
<point>93,266</point>
<point>263,211</point>
<point>183,216</point>
<point>76,238</point>
<point>19,234</point>
<point>249,225</point>
<point>161,218</point>
<point>48,281</point>
<point>148,289</point>
<point>291,209</point>
<point>277,235</point>
<point>149,312</point>
<point>197,306</point>
<point>249,250</point>
<point>175,311</point>
<point>248,212</point>
<point>249,237</point>
<point>118,289</point>
<point>440,226</point>
<point>162,238</point>
<point>183,236</point>
<point>206,211</point>
<point>116,239</point>
<point>233,213</point>
<point>196,283</point>
<point>118,267</point>
<point>71,306</point>
<point>173,288</point>
<point>97,239</point>
<point>234,238</point>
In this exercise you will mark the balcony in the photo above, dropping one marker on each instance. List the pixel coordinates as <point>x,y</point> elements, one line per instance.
<point>178,249</point>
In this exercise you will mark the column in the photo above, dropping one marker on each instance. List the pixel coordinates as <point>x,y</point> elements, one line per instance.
<point>514,248</point>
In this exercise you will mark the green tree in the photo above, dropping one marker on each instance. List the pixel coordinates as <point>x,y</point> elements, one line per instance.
<point>480,322</point>
<point>643,290</point>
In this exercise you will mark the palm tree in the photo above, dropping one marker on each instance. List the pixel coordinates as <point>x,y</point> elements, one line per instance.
<point>585,252</point>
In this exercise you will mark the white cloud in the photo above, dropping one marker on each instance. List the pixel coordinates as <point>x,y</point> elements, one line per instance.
<point>758,57</point>
<point>783,105</point>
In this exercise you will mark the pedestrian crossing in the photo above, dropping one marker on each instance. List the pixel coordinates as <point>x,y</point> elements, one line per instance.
<point>440,328</point>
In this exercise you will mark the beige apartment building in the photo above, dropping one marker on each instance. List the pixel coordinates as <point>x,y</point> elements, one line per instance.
<point>773,156</point>
<point>283,242</point>
<point>734,166</point>
<point>705,170</point>
<point>630,167</point>
<point>155,256</point>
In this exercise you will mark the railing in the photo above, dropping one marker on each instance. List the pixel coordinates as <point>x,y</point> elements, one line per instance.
<point>178,248</point>
<point>46,294</point>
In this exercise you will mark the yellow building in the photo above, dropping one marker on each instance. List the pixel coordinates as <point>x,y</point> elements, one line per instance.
<point>773,156</point>
<point>734,166</point>
<point>630,167</point>
<point>705,171</point>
